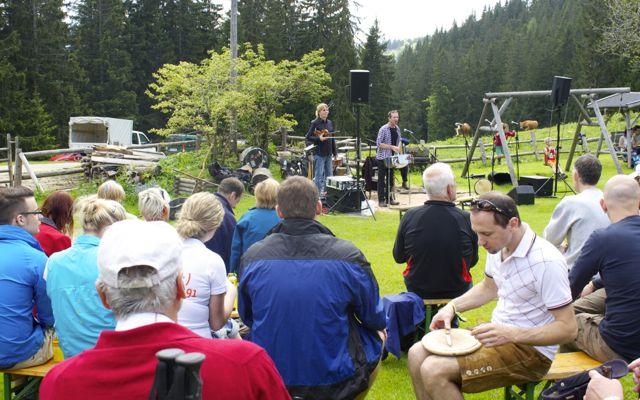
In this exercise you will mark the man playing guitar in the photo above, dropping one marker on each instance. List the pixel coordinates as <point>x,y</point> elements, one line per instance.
<point>388,144</point>
<point>320,133</point>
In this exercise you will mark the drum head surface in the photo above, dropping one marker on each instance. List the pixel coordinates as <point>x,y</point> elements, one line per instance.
<point>482,186</point>
<point>463,343</point>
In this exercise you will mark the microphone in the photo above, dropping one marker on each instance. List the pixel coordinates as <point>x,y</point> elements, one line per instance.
<point>515,123</point>
<point>409,131</point>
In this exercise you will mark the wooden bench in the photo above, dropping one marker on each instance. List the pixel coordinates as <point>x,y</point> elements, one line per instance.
<point>563,366</point>
<point>33,374</point>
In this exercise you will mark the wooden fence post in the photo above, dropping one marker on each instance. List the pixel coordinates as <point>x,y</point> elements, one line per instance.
<point>283,132</point>
<point>198,142</point>
<point>534,146</point>
<point>483,154</point>
<point>9,160</point>
<point>17,175</point>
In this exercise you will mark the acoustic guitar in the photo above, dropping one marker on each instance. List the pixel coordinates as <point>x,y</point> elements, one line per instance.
<point>322,133</point>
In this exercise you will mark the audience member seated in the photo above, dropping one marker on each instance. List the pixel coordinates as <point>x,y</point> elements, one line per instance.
<point>576,217</point>
<point>112,190</point>
<point>256,222</point>
<point>153,204</point>
<point>601,388</point>
<point>203,271</point>
<point>438,260</point>
<point>229,194</point>
<point>71,279</point>
<point>26,336</point>
<point>528,275</point>
<point>56,223</point>
<point>312,301</point>
<point>140,280</point>
<point>609,324</point>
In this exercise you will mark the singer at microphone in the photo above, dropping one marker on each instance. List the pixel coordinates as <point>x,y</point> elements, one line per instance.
<point>389,143</point>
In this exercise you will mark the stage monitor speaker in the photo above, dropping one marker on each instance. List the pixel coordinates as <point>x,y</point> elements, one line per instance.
<point>560,91</point>
<point>499,178</point>
<point>523,194</point>
<point>359,86</point>
<point>351,202</point>
<point>542,185</point>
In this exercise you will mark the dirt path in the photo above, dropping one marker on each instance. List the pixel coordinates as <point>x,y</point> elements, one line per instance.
<point>64,182</point>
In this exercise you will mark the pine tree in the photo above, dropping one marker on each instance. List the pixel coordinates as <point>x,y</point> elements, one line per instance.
<point>328,24</point>
<point>52,76</point>
<point>102,52</point>
<point>380,66</point>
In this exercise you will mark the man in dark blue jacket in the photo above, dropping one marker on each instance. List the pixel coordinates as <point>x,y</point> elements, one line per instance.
<point>312,301</point>
<point>229,193</point>
<point>25,341</point>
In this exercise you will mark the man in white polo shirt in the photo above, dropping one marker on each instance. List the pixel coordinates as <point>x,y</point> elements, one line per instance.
<point>528,276</point>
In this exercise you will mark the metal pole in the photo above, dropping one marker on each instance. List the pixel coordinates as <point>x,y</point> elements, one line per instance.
<point>505,147</point>
<point>474,142</point>
<point>234,72</point>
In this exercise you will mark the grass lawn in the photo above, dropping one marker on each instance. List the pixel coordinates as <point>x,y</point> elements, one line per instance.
<point>375,239</point>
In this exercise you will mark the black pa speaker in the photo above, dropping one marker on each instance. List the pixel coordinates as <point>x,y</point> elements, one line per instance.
<point>350,203</point>
<point>359,86</point>
<point>499,178</point>
<point>542,186</point>
<point>522,194</point>
<point>560,91</point>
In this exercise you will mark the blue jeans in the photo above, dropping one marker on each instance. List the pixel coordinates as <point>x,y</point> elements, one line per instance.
<point>322,168</point>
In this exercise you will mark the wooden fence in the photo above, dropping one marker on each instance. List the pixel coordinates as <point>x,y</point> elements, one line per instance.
<point>20,160</point>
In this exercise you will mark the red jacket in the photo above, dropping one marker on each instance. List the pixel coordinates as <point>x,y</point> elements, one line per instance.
<point>122,366</point>
<point>51,239</point>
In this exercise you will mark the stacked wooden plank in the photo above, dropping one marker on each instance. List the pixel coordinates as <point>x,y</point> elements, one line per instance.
<point>187,186</point>
<point>107,159</point>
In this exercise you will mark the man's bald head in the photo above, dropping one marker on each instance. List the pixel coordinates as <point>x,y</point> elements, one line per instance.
<point>622,194</point>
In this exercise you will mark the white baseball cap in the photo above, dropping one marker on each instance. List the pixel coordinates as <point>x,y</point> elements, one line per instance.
<point>131,243</point>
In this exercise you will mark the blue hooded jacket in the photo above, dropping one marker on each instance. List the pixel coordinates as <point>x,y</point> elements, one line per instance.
<point>312,302</point>
<point>21,288</point>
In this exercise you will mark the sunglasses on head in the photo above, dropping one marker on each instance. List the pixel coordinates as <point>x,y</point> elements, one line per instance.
<point>486,205</point>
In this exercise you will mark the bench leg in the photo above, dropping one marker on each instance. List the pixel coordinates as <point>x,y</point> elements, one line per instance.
<point>6,380</point>
<point>525,392</point>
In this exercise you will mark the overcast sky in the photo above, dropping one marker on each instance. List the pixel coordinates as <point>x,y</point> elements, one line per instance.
<point>407,19</point>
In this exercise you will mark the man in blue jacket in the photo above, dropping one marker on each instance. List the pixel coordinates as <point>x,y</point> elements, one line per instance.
<point>25,340</point>
<point>312,301</point>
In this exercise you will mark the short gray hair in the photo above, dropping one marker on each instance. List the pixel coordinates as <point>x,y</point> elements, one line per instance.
<point>436,178</point>
<point>152,202</point>
<point>128,301</point>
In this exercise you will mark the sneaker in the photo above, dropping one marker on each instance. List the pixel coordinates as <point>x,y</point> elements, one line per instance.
<point>394,202</point>
<point>383,204</point>
<point>405,185</point>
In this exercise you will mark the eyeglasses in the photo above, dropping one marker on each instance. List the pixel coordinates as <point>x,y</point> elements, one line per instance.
<point>486,205</point>
<point>36,212</point>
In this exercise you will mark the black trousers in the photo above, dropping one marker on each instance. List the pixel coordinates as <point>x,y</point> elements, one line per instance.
<point>384,175</point>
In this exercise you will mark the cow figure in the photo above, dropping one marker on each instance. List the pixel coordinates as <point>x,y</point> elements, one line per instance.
<point>528,125</point>
<point>463,129</point>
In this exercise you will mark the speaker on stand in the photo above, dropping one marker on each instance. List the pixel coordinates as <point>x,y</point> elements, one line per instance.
<point>560,89</point>
<point>358,95</point>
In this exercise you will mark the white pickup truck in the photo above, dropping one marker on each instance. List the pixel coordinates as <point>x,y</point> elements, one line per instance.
<point>87,131</point>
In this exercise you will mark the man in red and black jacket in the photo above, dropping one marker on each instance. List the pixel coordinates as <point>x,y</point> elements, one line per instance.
<point>436,240</point>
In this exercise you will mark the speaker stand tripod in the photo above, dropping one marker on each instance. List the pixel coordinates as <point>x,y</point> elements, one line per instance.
<point>556,173</point>
<point>359,188</point>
